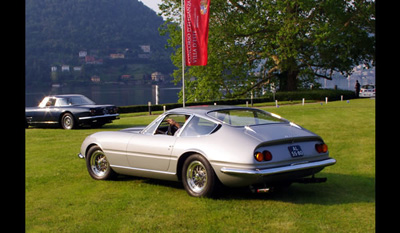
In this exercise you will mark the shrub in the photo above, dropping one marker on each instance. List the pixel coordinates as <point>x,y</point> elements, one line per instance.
<point>319,94</point>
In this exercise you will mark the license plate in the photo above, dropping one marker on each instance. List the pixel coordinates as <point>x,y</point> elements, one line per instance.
<point>295,151</point>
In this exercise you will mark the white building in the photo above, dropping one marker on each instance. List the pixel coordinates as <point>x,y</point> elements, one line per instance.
<point>65,68</point>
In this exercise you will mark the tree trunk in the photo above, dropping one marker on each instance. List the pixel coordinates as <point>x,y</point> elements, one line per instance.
<point>292,80</point>
<point>288,80</point>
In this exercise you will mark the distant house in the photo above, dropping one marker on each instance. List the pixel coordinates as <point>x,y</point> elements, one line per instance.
<point>77,68</point>
<point>89,59</point>
<point>145,53</point>
<point>145,48</point>
<point>117,56</point>
<point>95,79</point>
<point>65,68</point>
<point>93,60</point>
<point>82,54</point>
<point>157,77</point>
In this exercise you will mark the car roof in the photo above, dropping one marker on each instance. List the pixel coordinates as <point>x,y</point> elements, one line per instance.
<point>64,95</point>
<point>203,109</point>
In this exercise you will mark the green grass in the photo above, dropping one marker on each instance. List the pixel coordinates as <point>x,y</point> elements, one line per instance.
<point>61,196</point>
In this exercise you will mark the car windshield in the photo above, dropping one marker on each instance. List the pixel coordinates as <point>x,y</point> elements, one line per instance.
<point>243,117</point>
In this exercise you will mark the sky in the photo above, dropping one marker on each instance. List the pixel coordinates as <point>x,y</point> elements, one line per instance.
<point>153,4</point>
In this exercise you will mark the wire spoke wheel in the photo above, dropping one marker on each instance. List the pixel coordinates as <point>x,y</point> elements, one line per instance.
<point>98,166</point>
<point>99,163</point>
<point>196,176</point>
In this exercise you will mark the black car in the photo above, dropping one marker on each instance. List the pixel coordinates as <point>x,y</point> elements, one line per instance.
<point>69,111</point>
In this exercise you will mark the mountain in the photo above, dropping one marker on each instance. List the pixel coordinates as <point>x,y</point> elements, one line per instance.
<point>57,31</point>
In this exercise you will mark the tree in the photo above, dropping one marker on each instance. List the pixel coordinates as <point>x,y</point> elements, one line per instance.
<point>256,42</point>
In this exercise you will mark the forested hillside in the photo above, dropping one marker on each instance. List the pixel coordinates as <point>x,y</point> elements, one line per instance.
<point>57,31</point>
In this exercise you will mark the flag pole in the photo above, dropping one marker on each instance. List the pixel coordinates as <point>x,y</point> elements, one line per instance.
<point>183,52</point>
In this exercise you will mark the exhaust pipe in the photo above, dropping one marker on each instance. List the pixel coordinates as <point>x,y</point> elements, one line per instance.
<point>259,190</point>
<point>264,190</point>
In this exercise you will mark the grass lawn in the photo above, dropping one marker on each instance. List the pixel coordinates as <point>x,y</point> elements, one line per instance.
<point>61,196</point>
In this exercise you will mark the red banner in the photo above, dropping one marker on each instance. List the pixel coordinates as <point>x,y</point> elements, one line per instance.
<point>196,31</point>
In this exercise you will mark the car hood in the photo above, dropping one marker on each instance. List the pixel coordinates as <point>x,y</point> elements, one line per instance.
<point>272,132</point>
<point>136,129</point>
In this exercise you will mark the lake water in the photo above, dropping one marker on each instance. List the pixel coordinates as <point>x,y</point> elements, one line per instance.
<point>119,95</point>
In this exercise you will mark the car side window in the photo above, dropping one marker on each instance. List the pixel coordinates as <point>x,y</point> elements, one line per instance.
<point>198,126</point>
<point>51,102</point>
<point>171,124</point>
<point>61,102</point>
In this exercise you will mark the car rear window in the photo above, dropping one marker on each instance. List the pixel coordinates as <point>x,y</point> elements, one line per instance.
<point>243,117</point>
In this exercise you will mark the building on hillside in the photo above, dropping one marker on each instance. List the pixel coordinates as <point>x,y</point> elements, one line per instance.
<point>77,68</point>
<point>82,54</point>
<point>145,53</point>
<point>92,60</point>
<point>157,77</point>
<point>65,68</point>
<point>117,56</point>
<point>95,79</point>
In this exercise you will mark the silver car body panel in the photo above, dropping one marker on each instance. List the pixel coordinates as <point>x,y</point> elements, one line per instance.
<point>230,150</point>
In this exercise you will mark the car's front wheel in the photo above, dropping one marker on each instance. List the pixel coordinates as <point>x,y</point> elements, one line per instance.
<point>198,177</point>
<point>97,164</point>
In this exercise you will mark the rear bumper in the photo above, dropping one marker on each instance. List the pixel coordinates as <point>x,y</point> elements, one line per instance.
<point>279,170</point>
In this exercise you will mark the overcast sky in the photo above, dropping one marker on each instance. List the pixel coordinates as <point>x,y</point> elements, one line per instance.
<point>153,4</point>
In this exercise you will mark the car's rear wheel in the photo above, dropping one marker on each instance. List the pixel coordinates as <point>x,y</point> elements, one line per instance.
<point>97,164</point>
<point>67,121</point>
<point>198,177</point>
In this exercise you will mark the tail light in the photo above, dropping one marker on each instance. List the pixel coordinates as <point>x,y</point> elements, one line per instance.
<point>321,148</point>
<point>263,156</point>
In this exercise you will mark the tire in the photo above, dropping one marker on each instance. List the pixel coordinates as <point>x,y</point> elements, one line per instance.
<point>67,121</point>
<point>198,177</point>
<point>98,166</point>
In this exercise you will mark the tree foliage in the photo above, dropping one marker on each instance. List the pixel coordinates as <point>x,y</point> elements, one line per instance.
<point>256,42</point>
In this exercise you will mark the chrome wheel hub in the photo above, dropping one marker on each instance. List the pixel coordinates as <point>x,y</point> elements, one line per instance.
<point>196,176</point>
<point>99,163</point>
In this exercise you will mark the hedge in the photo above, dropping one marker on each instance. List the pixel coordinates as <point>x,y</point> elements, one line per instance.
<point>318,95</point>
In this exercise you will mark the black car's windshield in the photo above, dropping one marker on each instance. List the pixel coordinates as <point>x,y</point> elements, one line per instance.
<point>243,117</point>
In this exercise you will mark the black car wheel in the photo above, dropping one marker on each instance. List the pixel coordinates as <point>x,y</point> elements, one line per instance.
<point>67,121</point>
<point>97,164</point>
<point>198,177</point>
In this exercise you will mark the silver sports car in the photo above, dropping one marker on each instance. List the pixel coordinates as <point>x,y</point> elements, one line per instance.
<point>206,147</point>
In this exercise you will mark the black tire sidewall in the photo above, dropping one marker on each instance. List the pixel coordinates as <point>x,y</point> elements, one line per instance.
<point>69,115</point>
<point>210,188</point>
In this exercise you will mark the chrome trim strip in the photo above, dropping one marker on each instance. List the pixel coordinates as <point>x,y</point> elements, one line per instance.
<point>277,170</point>
<point>100,116</point>
<point>144,170</point>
